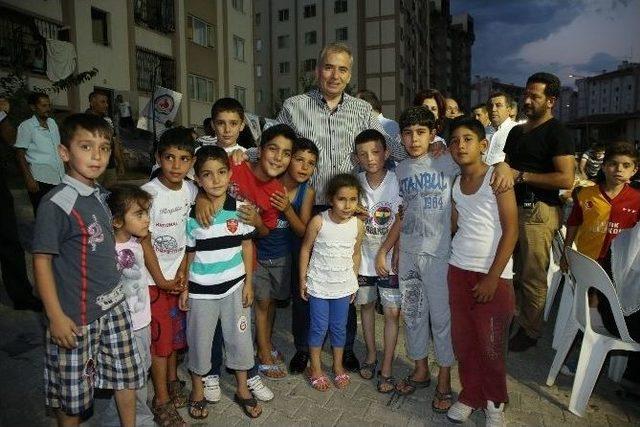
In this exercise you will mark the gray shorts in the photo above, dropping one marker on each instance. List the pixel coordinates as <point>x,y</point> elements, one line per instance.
<point>370,286</point>
<point>235,320</point>
<point>272,279</point>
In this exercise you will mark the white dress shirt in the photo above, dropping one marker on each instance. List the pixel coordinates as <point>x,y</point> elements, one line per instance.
<point>497,141</point>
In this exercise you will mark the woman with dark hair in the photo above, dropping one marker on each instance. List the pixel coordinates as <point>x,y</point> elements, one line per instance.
<point>435,102</point>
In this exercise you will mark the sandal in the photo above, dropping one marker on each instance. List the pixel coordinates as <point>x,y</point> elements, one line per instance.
<point>277,356</point>
<point>166,415</point>
<point>273,371</point>
<point>243,403</point>
<point>368,370</point>
<point>440,397</point>
<point>408,385</point>
<point>201,407</point>
<point>385,384</point>
<point>342,381</point>
<point>176,393</point>
<point>320,383</point>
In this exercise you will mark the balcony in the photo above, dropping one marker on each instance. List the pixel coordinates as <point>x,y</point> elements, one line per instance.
<point>150,63</point>
<point>157,15</point>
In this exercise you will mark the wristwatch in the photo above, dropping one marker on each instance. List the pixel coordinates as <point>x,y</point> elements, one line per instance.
<point>520,178</point>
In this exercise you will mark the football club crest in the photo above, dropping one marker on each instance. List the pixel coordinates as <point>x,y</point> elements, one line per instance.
<point>242,323</point>
<point>232,225</point>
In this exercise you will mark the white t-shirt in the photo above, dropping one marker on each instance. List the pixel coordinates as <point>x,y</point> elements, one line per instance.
<point>382,203</point>
<point>168,214</point>
<point>124,108</point>
<point>474,245</point>
<point>135,281</point>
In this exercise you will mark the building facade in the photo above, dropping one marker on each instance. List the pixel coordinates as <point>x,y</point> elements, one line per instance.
<point>482,87</point>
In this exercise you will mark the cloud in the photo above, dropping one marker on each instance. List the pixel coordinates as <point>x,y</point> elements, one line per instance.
<point>598,62</point>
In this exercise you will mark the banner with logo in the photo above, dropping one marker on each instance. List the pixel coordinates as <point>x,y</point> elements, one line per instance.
<point>165,102</point>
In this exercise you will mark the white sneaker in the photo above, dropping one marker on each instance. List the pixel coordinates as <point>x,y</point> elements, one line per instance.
<point>495,415</point>
<point>458,413</point>
<point>258,389</point>
<point>211,388</point>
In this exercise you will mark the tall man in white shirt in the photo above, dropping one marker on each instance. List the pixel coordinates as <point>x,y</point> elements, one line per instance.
<point>499,107</point>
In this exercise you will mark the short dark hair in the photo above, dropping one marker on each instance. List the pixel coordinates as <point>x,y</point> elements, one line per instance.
<point>621,148</point>
<point>227,105</point>
<point>97,92</point>
<point>417,115</point>
<point>89,122</point>
<point>371,98</point>
<point>278,130</point>
<point>370,135</point>
<point>470,123</point>
<point>508,98</point>
<point>551,82</point>
<point>481,105</point>
<point>210,152</point>
<point>206,123</point>
<point>304,144</point>
<point>122,196</point>
<point>178,137</point>
<point>339,181</point>
<point>34,97</point>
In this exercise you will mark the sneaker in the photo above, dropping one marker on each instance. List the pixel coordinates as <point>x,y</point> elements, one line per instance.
<point>459,413</point>
<point>258,389</point>
<point>495,415</point>
<point>211,388</point>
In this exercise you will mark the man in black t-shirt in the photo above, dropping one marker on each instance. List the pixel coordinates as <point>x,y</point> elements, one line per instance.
<point>540,153</point>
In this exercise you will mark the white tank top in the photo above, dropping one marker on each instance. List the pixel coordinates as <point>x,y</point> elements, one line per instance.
<point>474,245</point>
<point>330,274</point>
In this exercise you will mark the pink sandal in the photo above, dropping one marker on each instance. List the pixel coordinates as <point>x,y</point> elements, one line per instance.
<point>320,383</point>
<point>342,381</point>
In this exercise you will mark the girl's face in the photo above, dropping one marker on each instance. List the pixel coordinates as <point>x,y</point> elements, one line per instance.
<point>344,203</point>
<point>136,220</point>
<point>431,105</point>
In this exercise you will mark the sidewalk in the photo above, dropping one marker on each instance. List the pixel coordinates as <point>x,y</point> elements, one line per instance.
<point>531,402</point>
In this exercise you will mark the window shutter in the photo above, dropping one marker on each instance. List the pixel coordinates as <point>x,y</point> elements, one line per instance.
<point>211,34</point>
<point>190,28</point>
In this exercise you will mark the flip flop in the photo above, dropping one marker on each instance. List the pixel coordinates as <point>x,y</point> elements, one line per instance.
<point>243,403</point>
<point>318,382</point>
<point>369,370</point>
<point>389,381</point>
<point>342,381</point>
<point>442,397</point>
<point>413,385</point>
<point>266,370</point>
<point>198,405</point>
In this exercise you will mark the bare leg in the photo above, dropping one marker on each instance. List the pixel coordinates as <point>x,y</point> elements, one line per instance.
<point>65,420</point>
<point>368,316</point>
<point>390,338</point>
<point>338,353</point>
<point>172,367</point>
<point>263,330</point>
<point>159,379</point>
<point>197,394</point>
<point>243,392</point>
<point>126,403</point>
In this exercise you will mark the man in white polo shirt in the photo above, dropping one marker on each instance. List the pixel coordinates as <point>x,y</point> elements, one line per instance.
<point>499,107</point>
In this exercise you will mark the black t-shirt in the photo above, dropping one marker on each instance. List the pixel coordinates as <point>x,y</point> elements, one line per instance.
<point>534,151</point>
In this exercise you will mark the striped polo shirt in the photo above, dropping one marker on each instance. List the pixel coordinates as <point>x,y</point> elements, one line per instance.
<point>217,269</point>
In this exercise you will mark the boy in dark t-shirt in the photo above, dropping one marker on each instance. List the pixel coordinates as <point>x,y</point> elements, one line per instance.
<point>89,339</point>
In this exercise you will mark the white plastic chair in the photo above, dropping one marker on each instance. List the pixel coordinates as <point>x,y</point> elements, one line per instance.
<point>595,344</point>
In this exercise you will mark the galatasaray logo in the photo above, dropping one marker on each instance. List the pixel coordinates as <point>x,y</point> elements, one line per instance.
<point>232,225</point>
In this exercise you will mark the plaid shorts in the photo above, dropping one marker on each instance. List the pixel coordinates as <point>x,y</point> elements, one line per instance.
<point>105,357</point>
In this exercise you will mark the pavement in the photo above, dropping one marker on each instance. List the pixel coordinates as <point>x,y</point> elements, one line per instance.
<point>532,403</point>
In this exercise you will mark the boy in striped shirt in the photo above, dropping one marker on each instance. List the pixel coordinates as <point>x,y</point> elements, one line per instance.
<point>220,285</point>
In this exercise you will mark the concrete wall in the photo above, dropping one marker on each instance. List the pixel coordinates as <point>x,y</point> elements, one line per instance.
<point>50,9</point>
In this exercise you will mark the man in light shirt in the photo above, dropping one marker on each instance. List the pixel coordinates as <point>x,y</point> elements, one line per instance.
<point>499,107</point>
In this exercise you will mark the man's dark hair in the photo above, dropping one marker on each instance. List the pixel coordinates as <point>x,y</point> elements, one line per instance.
<point>277,130</point>
<point>621,148</point>
<point>122,196</point>
<point>304,144</point>
<point>371,135</point>
<point>34,97</point>
<point>210,152</point>
<point>470,123</point>
<point>227,105</point>
<point>508,98</point>
<point>481,105</point>
<point>371,98</point>
<point>178,137</point>
<point>90,122</point>
<point>551,82</point>
<point>97,92</point>
<point>417,115</point>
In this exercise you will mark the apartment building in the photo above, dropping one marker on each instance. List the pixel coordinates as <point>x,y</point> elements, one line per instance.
<point>482,87</point>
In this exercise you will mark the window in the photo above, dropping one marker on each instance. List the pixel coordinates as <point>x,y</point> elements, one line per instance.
<point>158,15</point>
<point>202,33</point>
<point>284,67</point>
<point>283,42</point>
<point>200,88</point>
<point>283,15</point>
<point>240,93</point>
<point>154,70</point>
<point>259,96</point>
<point>258,18</point>
<point>258,70</point>
<point>310,10</point>
<point>238,5</point>
<point>258,45</point>
<point>340,6</point>
<point>99,27</point>
<point>284,93</point>
<point>342,34</point>
<point>238,48</point>
<point>309,64</point>
<point>310,37</point>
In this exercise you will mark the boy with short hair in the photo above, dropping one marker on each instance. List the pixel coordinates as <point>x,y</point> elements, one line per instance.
<point>164,255</point>
<point>227,121</point>
<point>381,199</point>
<point>89,336</point>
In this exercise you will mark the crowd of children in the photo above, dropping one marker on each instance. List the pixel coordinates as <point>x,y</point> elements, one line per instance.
<point>431,240</point>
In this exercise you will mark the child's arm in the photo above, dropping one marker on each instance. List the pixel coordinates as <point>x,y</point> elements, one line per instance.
<point>502,178</point>
<point>508,211</point>
<point>153,266</point>
<point>63,330</point>
<point>389,243</point>
<point>357,252</point>
<point>247,258</point>
<point>249,215</point>
<point>183,302</point>
<point>204,209</point>
<point>305,252</point>
<point>297,222</point>
<point>454,218</point>
<point>573,224</point>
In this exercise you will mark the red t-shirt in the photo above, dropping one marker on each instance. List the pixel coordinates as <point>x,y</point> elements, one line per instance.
<point>245,186</point>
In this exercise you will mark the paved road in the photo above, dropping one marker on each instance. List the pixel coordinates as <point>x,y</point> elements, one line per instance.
<point>532,403</point>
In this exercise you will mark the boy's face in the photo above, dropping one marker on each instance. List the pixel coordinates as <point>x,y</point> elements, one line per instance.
<point>465,146</point>
<point>416,139</point>
<point>302,166</point>
<point>136,220</point>
<point>227,126</point>
<point>214,177</point>
<point>275,156</point>
<point>175,163</point>
<point>371,156</point>
<point>87,155</point>
<point>619,169</point>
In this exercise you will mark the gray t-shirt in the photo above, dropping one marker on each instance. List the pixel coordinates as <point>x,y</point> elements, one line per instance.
<point>74,225</point>
<point>425,187</point>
